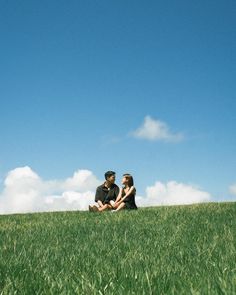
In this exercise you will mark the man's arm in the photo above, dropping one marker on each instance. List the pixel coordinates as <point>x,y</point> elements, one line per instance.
<point>119,195</point>
<point>117,191</point>
<point>98,194</point>
<point>112,195</point>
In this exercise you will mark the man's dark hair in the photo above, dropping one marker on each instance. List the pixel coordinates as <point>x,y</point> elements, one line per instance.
<point>109,173</point>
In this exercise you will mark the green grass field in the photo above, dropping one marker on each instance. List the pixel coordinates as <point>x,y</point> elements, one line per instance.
<point>161,250</point>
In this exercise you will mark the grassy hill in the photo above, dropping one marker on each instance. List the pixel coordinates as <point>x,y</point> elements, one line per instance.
<point>161,250</point>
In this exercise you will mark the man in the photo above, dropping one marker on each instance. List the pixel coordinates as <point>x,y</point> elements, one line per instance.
<point>106,193</point>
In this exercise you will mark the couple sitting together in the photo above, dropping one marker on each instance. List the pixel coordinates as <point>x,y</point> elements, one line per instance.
<point>110,197</point>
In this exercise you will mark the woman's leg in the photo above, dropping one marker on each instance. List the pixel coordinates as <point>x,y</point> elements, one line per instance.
<point>117,204</point>
<point>121,206</point>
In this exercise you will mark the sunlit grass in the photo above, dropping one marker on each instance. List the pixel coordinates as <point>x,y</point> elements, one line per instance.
<point>162,250</point>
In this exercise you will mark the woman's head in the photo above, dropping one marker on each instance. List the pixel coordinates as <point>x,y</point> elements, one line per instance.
<point>128,179</point>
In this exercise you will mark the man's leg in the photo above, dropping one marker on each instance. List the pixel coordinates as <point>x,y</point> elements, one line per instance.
<point>105,207</point>
<point>95,208</point>
<point>100,204</point>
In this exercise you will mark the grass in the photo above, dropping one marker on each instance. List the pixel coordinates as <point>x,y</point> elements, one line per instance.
<point>162,250</point>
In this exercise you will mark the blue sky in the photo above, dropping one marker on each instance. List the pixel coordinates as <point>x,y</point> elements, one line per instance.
<point>79,77</point>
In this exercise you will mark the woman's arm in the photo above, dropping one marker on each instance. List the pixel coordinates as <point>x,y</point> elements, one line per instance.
<point>128,193</point>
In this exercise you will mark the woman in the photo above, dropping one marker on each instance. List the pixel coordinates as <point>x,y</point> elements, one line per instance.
<point>126,197</point>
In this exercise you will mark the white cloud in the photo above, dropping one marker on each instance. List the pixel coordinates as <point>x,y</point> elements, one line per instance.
<point>172,193</point>
<point>82,180</point>
<point>232,189</point>
<point>156,130</point>
<point>25,191</point>
<point>69,200</point>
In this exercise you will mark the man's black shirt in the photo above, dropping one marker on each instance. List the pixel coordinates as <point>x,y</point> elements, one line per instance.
<point>105,195</point>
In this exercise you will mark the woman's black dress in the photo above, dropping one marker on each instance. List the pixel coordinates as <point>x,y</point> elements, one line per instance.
<point>129,201</point>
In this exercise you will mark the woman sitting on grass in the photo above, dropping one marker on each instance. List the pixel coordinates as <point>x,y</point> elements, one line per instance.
<point>126,197</point>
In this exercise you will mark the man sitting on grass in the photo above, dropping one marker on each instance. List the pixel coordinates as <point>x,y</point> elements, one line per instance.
<point>106,193</point>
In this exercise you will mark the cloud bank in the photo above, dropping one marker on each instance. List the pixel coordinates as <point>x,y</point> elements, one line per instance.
<point>155,130</point>
<point>25,191</point>
<point>232,189</point>
<point>172,193</point>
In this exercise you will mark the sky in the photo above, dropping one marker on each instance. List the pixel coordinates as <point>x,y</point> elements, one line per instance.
<point>145,87</point>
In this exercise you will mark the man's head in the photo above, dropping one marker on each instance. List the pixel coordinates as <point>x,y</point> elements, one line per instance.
<point>110,176</point>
